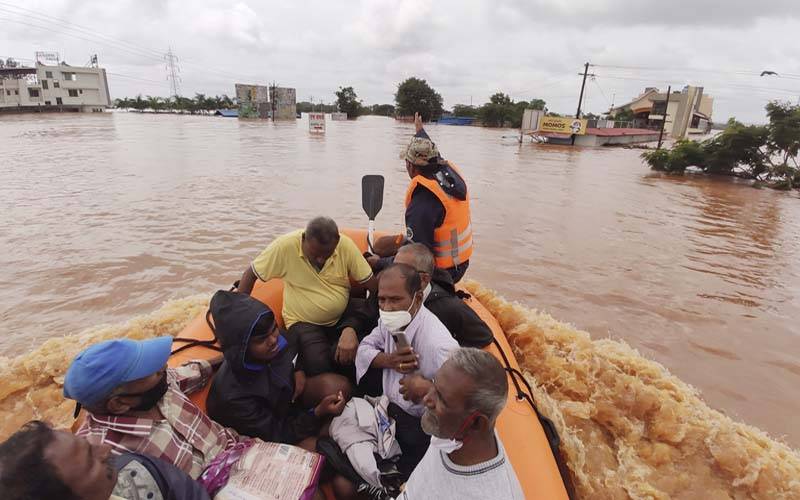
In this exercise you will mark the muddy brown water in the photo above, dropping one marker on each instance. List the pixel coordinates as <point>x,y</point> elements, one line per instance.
<point>105,217</point>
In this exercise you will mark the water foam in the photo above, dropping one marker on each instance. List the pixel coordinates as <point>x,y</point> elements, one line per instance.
<point>629,428</point>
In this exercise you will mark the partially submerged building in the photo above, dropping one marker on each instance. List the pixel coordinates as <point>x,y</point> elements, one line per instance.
<point>689,111</point>
<point>261,101</point>
<point>253,101</point>
<point>284,101</point>
<point>58,87</point>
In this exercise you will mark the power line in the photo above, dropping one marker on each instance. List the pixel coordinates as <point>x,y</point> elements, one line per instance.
<point>51,30</point>
<point>128,77</point>
<point>748,73</point>
<point>601,91</point>
<point>91,36</point>
<point>727,86</point>
<point>79,28</point>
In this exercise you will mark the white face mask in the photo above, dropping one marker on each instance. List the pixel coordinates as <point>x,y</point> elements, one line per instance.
<point>394,321</point>
<point>426,292</point>
<point>446,445</point>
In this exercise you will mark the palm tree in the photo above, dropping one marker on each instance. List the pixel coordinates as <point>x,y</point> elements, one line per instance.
<point>199,102</point>
<point>153,103</point>
<point>139,104</point>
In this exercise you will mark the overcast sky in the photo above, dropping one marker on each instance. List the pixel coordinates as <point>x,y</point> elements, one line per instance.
<point>466,49</point>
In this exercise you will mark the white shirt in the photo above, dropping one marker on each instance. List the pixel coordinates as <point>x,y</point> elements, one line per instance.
<point>431,341</point>
<point>438,478</point>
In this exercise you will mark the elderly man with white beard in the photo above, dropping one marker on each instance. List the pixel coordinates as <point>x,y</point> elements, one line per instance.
<point>465,459</point>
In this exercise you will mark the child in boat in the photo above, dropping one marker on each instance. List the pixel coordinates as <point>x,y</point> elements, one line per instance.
<point>259,389</point>
<point>136,404</point>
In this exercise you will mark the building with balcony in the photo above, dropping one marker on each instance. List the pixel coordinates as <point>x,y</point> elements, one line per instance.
<point>688,112</point>
<point>53,88</point>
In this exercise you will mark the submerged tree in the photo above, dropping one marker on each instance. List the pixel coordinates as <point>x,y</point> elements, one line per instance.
<point>414,95</point>
<point>766,153</point>
<point>347,102</point>
<point>502,111</point>
<point>199,104</point>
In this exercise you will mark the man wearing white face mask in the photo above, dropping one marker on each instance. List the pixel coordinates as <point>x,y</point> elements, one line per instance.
<point>466,459</point>
<point>407,372</point>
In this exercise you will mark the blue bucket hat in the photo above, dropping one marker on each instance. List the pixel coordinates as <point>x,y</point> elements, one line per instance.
<point>101,368</point>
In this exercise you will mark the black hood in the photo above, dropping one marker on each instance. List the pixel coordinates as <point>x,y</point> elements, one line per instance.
<point>448,179</point>
<point>237,317</point>
<point>441,285</point>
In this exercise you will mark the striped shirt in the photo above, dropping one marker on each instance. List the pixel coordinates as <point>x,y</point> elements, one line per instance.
<point>429,338</point>
<point>185,436</point>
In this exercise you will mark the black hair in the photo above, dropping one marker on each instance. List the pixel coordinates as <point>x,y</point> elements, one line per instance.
<point>410,275</point>
<point>322,230</point>
<point>24,472</point>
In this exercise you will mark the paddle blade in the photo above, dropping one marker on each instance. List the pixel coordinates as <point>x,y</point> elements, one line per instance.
<point>372,194</point>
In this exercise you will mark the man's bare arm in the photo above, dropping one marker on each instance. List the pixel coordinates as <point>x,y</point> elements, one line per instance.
<point>248,281</point>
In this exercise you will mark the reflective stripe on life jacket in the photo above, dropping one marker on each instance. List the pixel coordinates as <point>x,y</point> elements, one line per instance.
<point>453,239</point>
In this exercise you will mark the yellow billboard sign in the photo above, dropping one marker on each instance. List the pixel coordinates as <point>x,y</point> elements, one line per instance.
<point>562,125</point>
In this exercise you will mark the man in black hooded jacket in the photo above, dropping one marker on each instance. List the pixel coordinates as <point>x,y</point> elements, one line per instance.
<point>256,391</point>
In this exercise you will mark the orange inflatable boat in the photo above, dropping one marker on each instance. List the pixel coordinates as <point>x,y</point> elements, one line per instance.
<point>522,431</point>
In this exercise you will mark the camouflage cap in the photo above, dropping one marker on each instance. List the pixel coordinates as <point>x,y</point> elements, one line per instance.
<point>421,151</point>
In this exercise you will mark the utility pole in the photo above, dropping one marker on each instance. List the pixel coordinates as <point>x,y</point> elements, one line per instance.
<point>172,72</point>
<point>272,96</point>
<point>583,85</point>
<point>664,121</point>
<point>580,99</point>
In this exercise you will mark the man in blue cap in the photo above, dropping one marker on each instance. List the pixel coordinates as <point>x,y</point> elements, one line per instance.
<point>138,405</point>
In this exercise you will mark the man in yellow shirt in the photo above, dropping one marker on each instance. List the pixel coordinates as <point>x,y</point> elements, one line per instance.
<point>317,266</point>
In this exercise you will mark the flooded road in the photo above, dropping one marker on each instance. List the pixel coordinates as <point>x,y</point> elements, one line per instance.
<point>104,217</point>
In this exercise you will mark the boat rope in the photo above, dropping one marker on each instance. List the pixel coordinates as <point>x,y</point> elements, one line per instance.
<point>209,344</point>
<point>549,428</point>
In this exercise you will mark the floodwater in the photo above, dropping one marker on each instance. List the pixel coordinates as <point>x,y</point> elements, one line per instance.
<point>105,217</point>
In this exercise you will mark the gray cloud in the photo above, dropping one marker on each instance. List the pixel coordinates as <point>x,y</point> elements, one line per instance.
<point>466,50</point>
<point>588,13</point>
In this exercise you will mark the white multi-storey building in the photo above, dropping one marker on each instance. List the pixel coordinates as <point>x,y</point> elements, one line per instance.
<point>53,88</point>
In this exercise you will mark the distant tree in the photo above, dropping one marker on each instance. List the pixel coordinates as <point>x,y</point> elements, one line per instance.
<point>317,107</point>
<point>155,103</point>
<point>625,115</point>
<point>414,95</point>
<point>500,98</point>
<point>464,110</point>
<point>226,102</point>
<point>382,109</point>
<point>502,111</point>
<point>347,102</point>
<point>765,153</point>
<point>537,104</point>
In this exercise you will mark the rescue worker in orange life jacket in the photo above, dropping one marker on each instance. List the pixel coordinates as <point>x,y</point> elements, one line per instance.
<point>437,207</point>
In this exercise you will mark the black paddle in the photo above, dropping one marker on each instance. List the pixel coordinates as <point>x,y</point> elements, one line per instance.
<point>372,201</point>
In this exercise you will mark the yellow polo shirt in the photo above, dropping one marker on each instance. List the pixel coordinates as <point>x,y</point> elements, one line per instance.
<point>311,296</point>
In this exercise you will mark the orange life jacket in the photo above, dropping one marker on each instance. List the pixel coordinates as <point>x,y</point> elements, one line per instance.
<point>453,239</point>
